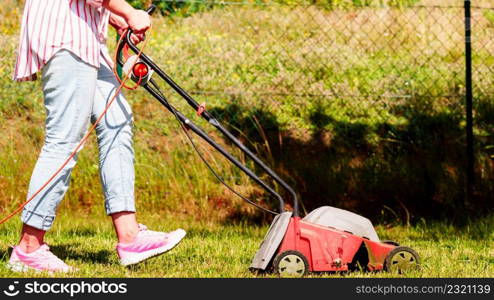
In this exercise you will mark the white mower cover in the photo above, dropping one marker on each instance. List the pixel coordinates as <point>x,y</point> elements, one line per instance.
<point>343,220</point>
<point>271,241</point>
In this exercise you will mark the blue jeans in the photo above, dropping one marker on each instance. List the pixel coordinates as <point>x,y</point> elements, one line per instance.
<point>75,94</point>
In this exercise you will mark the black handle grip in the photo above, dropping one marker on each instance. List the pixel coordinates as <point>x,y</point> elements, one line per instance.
<point>128,40</point>
<point>151,9</point>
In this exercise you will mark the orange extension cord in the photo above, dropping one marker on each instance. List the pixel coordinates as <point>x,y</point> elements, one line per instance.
<point>86,136</point>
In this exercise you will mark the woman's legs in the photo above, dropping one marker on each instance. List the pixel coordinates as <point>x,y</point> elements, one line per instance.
<point>68,87</point>
<point>74,94</point>
<point>116,154</point>
<point>31,238</point>
<point>136,243</point>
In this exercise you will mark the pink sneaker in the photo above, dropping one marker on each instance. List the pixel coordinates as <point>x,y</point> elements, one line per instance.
<point>40,260</point>
<point>148,243</point>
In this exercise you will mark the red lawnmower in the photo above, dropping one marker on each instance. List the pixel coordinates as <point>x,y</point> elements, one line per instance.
<point>327,239</point>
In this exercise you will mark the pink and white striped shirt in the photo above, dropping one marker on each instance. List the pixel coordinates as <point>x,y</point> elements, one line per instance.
<point>52,25</point>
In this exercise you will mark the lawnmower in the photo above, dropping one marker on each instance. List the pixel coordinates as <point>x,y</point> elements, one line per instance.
<point>327,239</point>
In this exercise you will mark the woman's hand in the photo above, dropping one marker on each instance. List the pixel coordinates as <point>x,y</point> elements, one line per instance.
<point>139,21</point>
<point>95,3</point>
<point>121,26</point>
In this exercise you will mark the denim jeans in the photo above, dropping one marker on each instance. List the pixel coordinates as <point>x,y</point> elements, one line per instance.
<point>75,94</point>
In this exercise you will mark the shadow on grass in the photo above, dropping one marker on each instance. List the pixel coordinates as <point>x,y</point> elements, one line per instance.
<point>82,232</point>
<point>76,251</point>
<point>5,254</point>
<point>70,251</point>
<point>386,172</point>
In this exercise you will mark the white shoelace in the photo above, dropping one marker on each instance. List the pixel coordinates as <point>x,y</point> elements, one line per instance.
<point>144,231</point>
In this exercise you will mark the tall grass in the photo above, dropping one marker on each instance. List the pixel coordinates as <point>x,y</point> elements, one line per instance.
<point>356,108</point>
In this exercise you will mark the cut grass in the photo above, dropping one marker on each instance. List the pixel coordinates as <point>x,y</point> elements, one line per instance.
<point>211,249</point>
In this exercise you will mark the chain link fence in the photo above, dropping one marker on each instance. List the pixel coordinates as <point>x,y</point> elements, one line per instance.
<point>316,51</point>
<point>363,63</point>
<point>375,92</point>
<point>483,50</point>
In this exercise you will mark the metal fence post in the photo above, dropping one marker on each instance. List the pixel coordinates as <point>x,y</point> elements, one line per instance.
<point>469,100</point>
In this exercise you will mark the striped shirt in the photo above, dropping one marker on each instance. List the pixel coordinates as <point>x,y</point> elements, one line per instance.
<point>51,25</point>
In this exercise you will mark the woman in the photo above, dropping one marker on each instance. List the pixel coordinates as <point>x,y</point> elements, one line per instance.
<point>65,39</point>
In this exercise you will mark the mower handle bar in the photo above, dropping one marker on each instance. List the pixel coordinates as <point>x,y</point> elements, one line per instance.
<point>151,9</point>
<point>209,118</point>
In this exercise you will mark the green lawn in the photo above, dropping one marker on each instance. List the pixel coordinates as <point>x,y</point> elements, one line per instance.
<point>214,250</point>
<point>251,64</point>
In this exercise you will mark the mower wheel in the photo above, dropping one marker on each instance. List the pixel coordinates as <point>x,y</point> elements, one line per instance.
<point>401,259</point>
<point>291,263</point>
